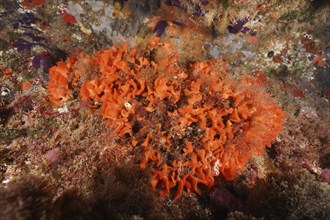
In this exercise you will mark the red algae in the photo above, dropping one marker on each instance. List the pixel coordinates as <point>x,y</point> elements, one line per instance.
<point>32,3</point>
<point>190,123</point>
<point>68,18</point>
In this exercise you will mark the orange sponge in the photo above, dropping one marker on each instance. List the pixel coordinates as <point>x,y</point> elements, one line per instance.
<point>190,124</point>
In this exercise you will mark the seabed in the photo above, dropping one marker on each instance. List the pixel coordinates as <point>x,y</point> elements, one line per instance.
<point>164,109</point>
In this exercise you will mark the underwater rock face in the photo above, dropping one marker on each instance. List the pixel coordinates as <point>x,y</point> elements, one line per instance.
<point>281,46</point>
<point>191,124</point>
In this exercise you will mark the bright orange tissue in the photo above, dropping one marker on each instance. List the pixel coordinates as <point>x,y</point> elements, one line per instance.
<point>190,124</point>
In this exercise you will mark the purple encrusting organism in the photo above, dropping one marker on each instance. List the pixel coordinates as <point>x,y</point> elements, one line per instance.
<point>311,57</point>
<point>254,33</point>
<point>22,45</point>
<point>245,30</point>
<point>26,20</point>
<point>29,39</point>
<point>235,28</point>
<point>34,37</point>
<point>41,60</point>
<point>204,2</point>
<point>173,3</point>
<point>160,28</point>
<point>239,27</point>
<point>197,12</point>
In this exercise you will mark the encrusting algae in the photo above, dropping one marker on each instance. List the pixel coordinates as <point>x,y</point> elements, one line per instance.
<point>190,124</point>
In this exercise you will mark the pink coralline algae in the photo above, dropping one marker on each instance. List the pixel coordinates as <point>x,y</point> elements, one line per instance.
<point>54,156</point>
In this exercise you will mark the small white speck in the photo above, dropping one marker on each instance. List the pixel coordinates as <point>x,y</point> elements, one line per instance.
<point>6,181</point>
<point>64,109</point>
<point>4,91</point>
<point>128,106</point>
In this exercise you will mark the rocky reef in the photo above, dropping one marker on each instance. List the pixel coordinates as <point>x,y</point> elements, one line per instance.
<point>171,109</point>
